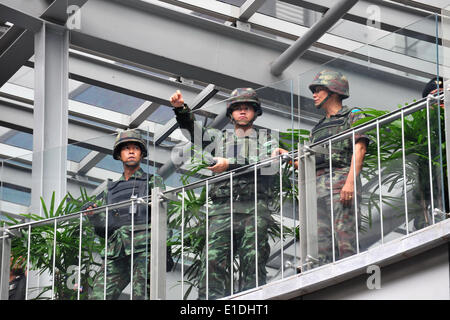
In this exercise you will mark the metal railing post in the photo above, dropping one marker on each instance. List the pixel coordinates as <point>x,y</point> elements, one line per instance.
<point>302,207</point>
<point>308,207</point>
<point>404,171</point>
<point>333,250</point>
<point>447,134</point>
<point>311,207</point>
<point>4,271</point>
<point>281,219</point>
<point>158,236</point>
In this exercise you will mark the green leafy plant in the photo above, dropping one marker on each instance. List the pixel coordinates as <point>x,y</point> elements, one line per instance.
<point>65,256</point>
<point>417,179</point>
<point>194,224</point>
<point>414,142</point>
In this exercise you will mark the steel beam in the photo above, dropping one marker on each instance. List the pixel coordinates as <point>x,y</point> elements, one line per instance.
<point>16,47</point>
<point>17,170</point>
<point>299,47</point>
<point>17,104</point>
<point>165,58</point>
<point>213,51</point>
<point>392,16</point>
<point>134,82</point>
<point>86,135</point>
<point>249,8</point>
<point>142,113</point>
<point>150,87</point>
<point>31,14</point>
<point>232,69</point>
<point>20,176</point>
<point>50,115</point>
<point>89,162</point>
<point>430,5</point>
<point>58,13</point>
<point>143,85</point>
<point>23,15</point>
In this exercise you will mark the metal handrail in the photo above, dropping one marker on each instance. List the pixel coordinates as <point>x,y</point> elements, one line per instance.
<point>394,115</point>
<point>418,105</point>
<point>76,214</point>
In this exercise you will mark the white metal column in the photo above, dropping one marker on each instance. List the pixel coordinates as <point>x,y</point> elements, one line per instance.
<point>50,120</point>
<point>5,254</point>
<point>158,255</point>
<point>444,72</point>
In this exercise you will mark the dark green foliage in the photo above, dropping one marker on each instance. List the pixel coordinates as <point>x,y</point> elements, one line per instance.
<point>65,256</point>
<point>194,226</point>
<point>416,154</point>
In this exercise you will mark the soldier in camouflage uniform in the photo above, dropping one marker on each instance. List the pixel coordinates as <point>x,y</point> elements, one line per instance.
<point>130,149</point>
<point>329,88</point>
<point>233,149</point>
<point>422,215</point>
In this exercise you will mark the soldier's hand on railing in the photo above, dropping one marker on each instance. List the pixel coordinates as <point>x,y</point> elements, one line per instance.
<point>221,165</point>
<point>176,100</point>
<point>441,101</point>
<point>89,206</point>
<point>279,151</point>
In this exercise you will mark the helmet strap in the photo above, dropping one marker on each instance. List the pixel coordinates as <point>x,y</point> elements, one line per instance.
<point>249,124</point>
<point>324,100</point>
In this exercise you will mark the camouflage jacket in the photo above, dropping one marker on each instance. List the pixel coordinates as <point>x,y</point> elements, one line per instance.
<point>239,151</point>
<point>342,149</point>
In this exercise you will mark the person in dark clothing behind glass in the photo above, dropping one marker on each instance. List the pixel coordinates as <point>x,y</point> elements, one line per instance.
<point>17,282</point>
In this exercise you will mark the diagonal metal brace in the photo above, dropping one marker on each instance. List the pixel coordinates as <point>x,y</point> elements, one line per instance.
<point>14,233</point>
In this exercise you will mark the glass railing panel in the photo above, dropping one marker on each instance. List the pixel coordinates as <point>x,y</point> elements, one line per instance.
<point>444,73</point>
<point>225,278</point>
<point>419,39</point>
<point>186,243</point>
<point>423,128</point>
<point>76,255</point>
<point>399,187</point>
<point>1,190</point>
<point>237,146</point>
<point>88,179</point>
<point>125,260</point>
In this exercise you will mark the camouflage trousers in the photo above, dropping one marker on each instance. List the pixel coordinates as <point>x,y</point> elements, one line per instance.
<point>344,225</point>
<point>244,249</point>
<point>344,229</point>
<point>118,266</point>
<point>118,276</point>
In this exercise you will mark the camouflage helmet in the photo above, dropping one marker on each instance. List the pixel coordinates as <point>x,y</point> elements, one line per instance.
<point>333,80</point>
<point>244,95</point>
<point>128,136</point>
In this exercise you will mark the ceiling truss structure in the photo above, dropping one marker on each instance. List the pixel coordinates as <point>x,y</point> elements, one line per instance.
<point>203,48</point>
